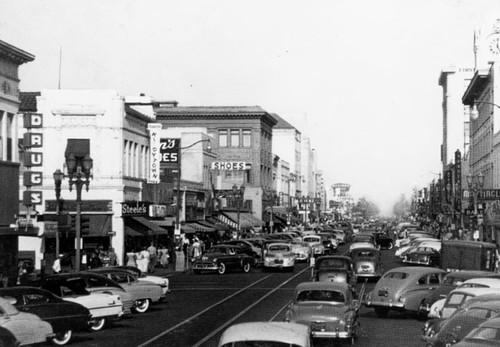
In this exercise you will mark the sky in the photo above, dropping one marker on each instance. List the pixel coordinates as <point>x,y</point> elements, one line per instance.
<point>359,78</point>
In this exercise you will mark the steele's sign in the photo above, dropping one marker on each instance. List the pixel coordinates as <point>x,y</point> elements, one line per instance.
<point>135,208</point>
<point>231,165</point>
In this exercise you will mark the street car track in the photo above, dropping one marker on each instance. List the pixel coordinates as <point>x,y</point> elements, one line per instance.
<point>202,312</point>
<point>241,313</point>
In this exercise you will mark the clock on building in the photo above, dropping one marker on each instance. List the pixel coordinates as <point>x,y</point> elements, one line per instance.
<point>494,43</point>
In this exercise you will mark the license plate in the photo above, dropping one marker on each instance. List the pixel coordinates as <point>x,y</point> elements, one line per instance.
<point>278,261</point>
<point>382,293</point>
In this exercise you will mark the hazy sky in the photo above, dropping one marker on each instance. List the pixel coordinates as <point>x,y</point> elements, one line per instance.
<point>360,78</point>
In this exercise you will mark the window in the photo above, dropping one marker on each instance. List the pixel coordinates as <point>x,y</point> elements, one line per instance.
<point>235,138</point>
<point>247,138</point>
<point>222,138</point>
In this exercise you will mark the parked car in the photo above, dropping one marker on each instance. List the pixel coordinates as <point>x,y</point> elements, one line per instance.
<point>266,334</point>
<point>457,326</point>
<point>221,258</point>
<point>404,289</point>
<point>27,328</point>
<point>7,338</point>
<point>316,243</point>
<point>278,255</point>
<point>423,255</point>
<point>162,281</point>
<point>65,317</point>
<point>459,296</point>
<point>301,250</point>
<point>327,307</point>
<point>485,335</point>
<point>143,293</point>
<point>102,306</point>
<point>335,268</point>
<point>97,283</point>
<point>366,262</point>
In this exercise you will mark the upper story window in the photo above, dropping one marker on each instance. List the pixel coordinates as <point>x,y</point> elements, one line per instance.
<point>247,138</point>
<point>235,138</point>
<point>222,138</point>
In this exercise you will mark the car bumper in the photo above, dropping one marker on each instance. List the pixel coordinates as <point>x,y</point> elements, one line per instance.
<point>205,266</point>
<point>390,304</point>
<point>278,263</point>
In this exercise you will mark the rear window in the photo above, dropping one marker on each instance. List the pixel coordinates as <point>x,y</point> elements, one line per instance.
<point>321,295</point>
<point>396,275</point>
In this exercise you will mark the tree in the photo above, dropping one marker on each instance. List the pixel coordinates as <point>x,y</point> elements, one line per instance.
<point>401,207</point>
<point>366,209</point>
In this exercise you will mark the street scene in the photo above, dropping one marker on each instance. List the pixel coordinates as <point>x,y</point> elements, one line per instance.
<point>230,173</point>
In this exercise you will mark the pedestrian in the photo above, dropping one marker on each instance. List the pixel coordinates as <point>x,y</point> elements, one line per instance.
<point>475,236</point>
<point>497,255</point>
<point>66,263</point>
<point>84,264</point>
<point>131,259</point>
<point>196,249</point>
<point>144,263</point>
<point>152,258</point>
<point>163,252</point>
<point>460,233</point>
<point>112,257</point>
<point>95,261</point>
<point>56,266</point>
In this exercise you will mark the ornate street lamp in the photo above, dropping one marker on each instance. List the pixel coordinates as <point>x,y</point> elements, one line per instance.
<point>79,173</point>
<point>238,194</point>
<point>208,148</point>
<point>475,184</point>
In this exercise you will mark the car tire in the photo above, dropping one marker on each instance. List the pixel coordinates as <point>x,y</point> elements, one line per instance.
<point>61,338</point>
<point>221,270</point>
<point>97,324</point>
<point>422,312</point>
<point>382,312</point>
<point>246,267</point>
<point>141,305</point>
<point>390,245</point>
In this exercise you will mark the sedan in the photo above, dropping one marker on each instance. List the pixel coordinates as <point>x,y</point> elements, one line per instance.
<point>266,334</point>
<point>404,289</point>
<point>163,282</point>
<point>422,255</point>
<point>221,258</point>
<point>65,317</point>
<point>486,334</point>
<point>26,327</point>
<point>301,250</point>
<point>279,255</point>
<point>327,307</point>
<point>102,306</point>
<point>316,244</point>
<point>143,293</point>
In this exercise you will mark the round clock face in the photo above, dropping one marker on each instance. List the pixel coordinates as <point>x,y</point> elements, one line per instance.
<point>494,44</point>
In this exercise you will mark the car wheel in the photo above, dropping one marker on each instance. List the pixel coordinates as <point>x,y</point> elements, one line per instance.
<point>141,306</point>
<point>62,338</point>
<point>97,324</point>
<point>382,312</point>
<point>422,310</point>
<point>390,245</point>
<point>246,267</point>
<point>221,269</point>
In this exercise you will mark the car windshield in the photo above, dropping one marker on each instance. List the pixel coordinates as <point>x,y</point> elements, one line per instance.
<point>260,344</point>
<point>486,333</point>
<point>363,239</point>
<point>279,248</point>
<point>321,295</point>
<point>333,263</point>
<point>217,250</point>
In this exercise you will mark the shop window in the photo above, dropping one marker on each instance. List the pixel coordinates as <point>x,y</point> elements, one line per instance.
<point>222,138</point>
<point>235,138</point>
<point>247,138</point>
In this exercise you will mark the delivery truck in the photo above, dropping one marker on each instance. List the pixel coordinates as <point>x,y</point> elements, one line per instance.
<point>468,255</point>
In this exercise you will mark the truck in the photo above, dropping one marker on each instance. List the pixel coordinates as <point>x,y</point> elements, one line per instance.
<point>468,255</point>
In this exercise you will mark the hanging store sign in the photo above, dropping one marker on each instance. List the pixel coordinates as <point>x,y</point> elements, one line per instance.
<point>169,150</point>
<point>231,165</point>
<point>154,158</point>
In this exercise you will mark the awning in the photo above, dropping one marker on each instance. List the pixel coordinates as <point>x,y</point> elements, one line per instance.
<point>151,225</point>
<point>98,225</point>
<point>276,220</point>
<point>187,229</point>
<point>247,220</point>
<point>197,226</point>
<point>132,232</point>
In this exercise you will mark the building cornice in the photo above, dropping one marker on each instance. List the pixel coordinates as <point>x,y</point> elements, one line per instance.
<point>14,54</point>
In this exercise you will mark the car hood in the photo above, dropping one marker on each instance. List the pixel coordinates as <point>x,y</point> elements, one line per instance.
<point>319,311</point>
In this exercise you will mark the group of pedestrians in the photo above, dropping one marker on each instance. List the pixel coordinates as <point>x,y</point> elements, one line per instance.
<point>147,259</point>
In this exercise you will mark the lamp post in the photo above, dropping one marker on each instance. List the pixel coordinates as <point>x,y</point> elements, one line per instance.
<point>238,194</point>
<point>79,174</point>
<point>474,113</point>
<point>178,203</point>
<point>475,184</point>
